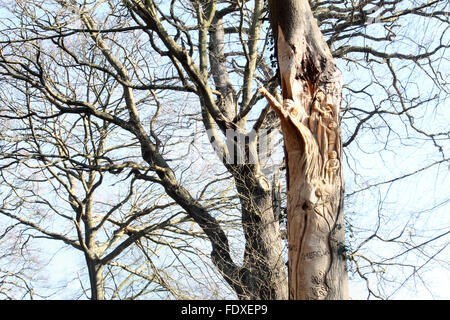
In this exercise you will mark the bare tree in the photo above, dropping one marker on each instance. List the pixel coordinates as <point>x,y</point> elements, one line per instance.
<point>19,265</point>
<point>60,167</point>
<point>60,188</point>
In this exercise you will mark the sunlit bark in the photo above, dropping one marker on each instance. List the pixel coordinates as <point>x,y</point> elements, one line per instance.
<point>311,89</point>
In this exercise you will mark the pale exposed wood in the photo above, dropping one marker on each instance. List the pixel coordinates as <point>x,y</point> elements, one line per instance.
<point>311,89</point>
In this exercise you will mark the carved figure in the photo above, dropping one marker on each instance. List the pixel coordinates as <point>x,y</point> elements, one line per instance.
<point>331,135</point>
<point>297,111</point>
<point>327,113</point>
<point>331,167</point>
<point>316,110</point>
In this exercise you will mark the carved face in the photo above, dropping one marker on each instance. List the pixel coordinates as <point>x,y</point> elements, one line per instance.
<point>332,125</point>
<point>310,195</point>
<point>318,193</point>
<point>332,155</point>
<point>320,96</point>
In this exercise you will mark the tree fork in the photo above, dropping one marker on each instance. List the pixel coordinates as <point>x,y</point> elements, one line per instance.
<point>312,94</point>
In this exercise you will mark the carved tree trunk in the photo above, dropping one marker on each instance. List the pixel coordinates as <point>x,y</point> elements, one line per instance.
<point>311,89</point>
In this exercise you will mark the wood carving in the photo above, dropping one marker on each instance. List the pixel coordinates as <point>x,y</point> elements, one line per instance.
<point>311,90</point>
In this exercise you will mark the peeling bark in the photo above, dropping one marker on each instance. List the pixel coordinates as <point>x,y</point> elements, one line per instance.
<point>311,89</point>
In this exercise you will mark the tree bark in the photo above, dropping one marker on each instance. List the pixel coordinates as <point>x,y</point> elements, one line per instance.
<point>96,278</point>
<point>312,93</point>
<point>263,272</point>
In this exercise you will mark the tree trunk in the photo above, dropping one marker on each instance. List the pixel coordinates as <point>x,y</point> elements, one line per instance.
<point>312,93</point>
<point>96,278</point>
<point>263,272</point>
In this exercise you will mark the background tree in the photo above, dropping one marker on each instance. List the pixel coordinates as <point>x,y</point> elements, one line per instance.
<point>61,168</point>
<point>179,74</point>
<point>20,263</point>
